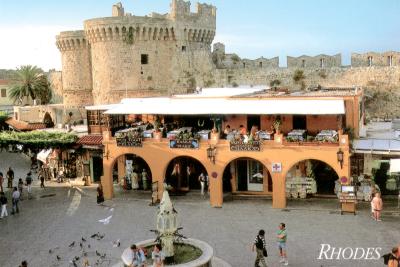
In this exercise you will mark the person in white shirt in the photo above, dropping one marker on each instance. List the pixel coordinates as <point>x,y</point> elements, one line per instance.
<point>158,256</point>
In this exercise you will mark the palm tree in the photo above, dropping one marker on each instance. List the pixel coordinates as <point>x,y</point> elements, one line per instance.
<point>31,82</point>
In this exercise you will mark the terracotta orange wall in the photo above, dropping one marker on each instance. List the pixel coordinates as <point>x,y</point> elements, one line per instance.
<point>321,122</point>
<point>235,121</point>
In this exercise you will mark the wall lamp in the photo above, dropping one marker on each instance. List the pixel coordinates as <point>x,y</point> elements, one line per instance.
<point>211,152</point>
<point>339,155</point>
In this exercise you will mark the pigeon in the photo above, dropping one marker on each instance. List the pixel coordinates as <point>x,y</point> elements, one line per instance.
<point>97,253</point>
<point>103,256</point>
<point>58,257</point>
<point>88,246</point>
<point>76,258</point>
<point>83,239</point>
<point>72,244</point>
<point>101,237</point>
<point>74,263</point>
<point>106,220</point>
<point>50,251</point>
<point>80,244</point>
<point>94,235</point>
<point>116,243</point>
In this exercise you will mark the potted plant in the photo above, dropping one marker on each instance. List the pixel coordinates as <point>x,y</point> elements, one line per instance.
<point>277,125</point>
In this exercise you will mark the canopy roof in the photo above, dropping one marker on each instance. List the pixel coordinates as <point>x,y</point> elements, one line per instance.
<point>377,146</point>
<point>211,106</point>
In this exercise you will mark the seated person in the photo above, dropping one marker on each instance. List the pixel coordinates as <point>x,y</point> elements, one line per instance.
<point>227,129</point>
<point>138,257</point>
<point>242,130</point>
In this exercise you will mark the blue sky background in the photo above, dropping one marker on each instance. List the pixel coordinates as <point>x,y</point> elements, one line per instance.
<point>251,28</point>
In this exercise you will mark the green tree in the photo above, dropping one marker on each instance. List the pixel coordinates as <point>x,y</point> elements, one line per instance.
<point>299,77</point>
<point>31,82</point>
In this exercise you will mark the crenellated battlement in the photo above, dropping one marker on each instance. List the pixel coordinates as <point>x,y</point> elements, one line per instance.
<point>71,40</point>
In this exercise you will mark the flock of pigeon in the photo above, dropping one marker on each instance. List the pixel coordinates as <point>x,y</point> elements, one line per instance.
<point>85,249</point>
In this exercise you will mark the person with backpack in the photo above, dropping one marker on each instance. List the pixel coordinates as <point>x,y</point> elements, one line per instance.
<point>260,248</point>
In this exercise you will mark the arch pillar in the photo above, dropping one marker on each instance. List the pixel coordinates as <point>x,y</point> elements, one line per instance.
<point>121,167</point>
<point>107,179</point>
<point>279,190</point>
<point>216,185</point>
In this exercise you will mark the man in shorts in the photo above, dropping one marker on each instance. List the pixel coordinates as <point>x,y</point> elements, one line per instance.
<point>281,236</point>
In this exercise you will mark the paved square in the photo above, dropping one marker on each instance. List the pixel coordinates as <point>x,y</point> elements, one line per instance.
<point>58,216</point>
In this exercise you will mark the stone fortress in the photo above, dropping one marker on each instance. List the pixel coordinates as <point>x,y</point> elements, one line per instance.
<point>163,54</point>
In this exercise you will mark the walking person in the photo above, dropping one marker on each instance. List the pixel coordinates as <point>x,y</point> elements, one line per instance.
<point>28,181</point>
<point>10,177</point>
<point>394,257</point>
<point>20,187</point>
<point>259,247</point>
<point>282,235</point>
<point>202,180</point>
<point>42,178</point>
<point>3,203</point>
<point>100,195</point>
<point>377,205</point>
<point>1,181</point>
<point>15,199</point>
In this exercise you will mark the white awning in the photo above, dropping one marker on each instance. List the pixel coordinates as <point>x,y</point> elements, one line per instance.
<point>377,146</point>
<point>43,155</point>
<point>205,106</point>
<point>394,165</point>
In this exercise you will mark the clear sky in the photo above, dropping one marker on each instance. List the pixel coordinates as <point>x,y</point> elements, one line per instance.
<point>250,28</point>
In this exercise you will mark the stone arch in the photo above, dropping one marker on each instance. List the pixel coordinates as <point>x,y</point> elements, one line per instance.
<point>173,33</point>
<point>182,172</point>
<point>231,172</point>
<point>110,33</point>
<point>155,33</point>
<point>149,33</point>
<point>185,34</point>
<point>143,33</point>
<point>166,37</point>
<point>125,155</point>
<point>327,185</point>
<point>160,34</point>
<point>190,33</point>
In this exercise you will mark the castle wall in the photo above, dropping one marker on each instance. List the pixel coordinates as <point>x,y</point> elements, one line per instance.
<point>371,59</point>
<point>320,61</point>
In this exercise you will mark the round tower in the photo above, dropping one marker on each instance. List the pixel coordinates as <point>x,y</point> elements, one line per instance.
<point>76,68</point>
<point>152,55</point>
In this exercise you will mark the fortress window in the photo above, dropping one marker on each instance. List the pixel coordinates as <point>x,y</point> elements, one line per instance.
<point>322,63</point>
<point>3,92</point>
<point>369,61</point>
<point>390,60</point>
<point>144,59</point>
<point>183,48</point>
<point>303,63</point>
<point>260,64</point>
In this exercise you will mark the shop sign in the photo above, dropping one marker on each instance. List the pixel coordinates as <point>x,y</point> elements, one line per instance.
<point>241,146</point>
<point>191,144</point>
<point>277,167</point>
<point>129,141</point>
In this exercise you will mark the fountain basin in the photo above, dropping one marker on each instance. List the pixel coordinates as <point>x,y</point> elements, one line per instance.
<point>204,260</point>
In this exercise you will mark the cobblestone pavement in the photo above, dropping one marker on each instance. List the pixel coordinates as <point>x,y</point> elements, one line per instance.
<point>60,215</point>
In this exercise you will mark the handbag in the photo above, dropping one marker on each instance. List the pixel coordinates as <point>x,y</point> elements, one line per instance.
<point>265,253</point>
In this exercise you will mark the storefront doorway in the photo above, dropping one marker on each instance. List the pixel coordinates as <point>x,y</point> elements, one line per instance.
<point>246,174</point>
<point>183,172</point>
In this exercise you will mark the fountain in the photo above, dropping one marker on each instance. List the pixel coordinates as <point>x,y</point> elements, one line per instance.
<point>179,251</point>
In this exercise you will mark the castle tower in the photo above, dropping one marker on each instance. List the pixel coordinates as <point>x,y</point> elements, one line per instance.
<point>158,54</point>
<point>76,68</point>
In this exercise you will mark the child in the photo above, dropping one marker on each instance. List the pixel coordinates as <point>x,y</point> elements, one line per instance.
<point>3,203</point>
